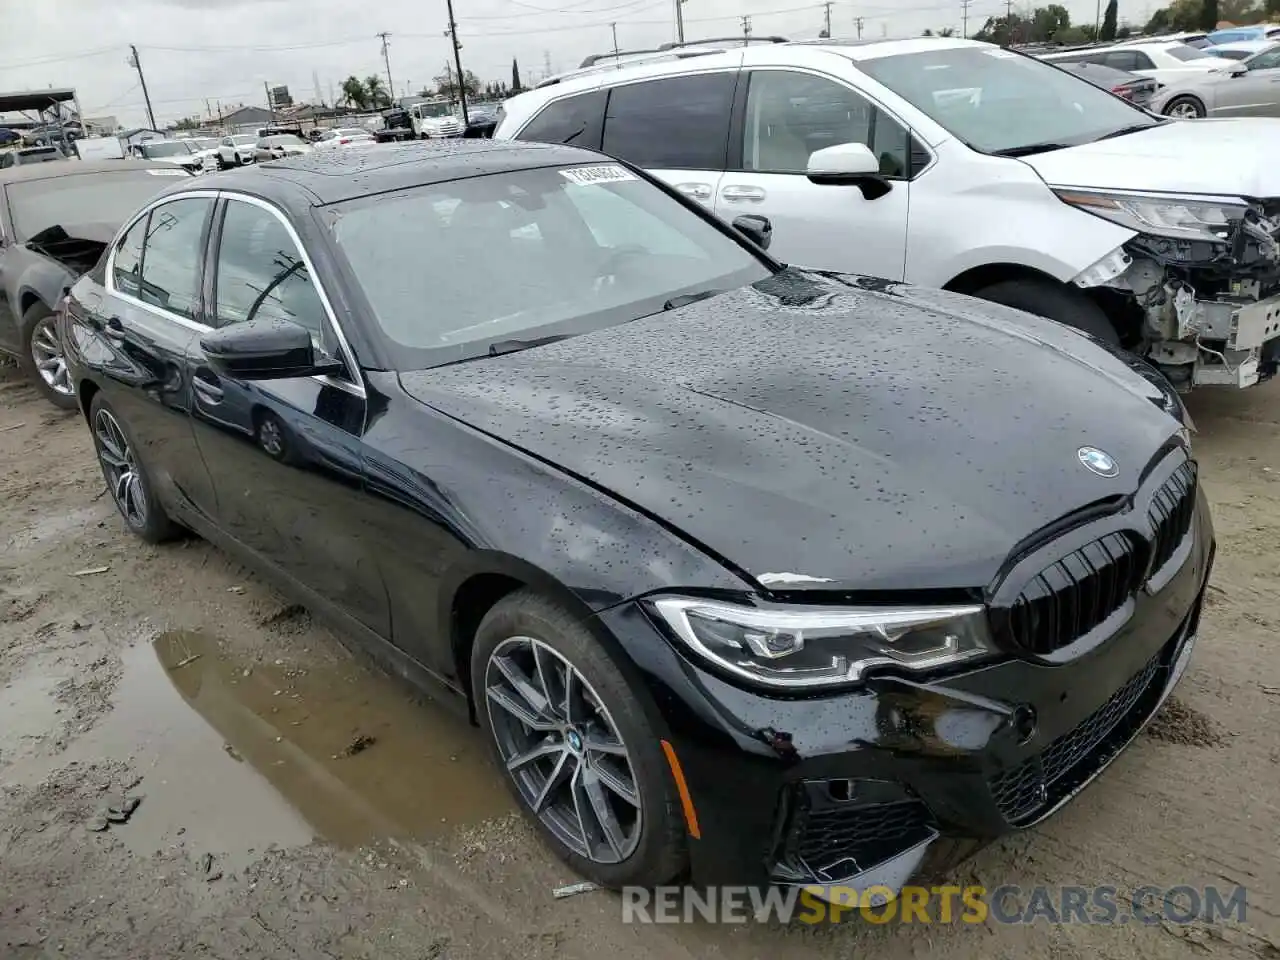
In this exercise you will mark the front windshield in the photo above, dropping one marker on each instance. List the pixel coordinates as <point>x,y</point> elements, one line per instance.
<point>433,109</point>
<point>155,149</point>
<point>203,143</point>
<point>244,140</point>
<point>106,198</point>
<point>452,268</point>
<point>284,140</point>
<point>1184,53</point>
<point>998,101</point>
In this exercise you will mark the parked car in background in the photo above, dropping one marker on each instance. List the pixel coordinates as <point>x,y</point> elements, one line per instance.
<point>952,163</point>
<point>237,150</point>
<point>482,119</point>
<point>206,149</point>
<point>1250,89</point>
<point>179,153</point>
<point>343,137</point>
<point>1166,61</point>
<point>18,156</point>
<point>280,145</point>
<point>1242,49</point>
<point>100,148</point>
<point>55,221</point>
<point>1137,90</point>
<point>589,495</point>
<point>1257,31</point>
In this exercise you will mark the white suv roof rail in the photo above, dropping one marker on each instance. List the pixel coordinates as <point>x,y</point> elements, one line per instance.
<point>675,50</point>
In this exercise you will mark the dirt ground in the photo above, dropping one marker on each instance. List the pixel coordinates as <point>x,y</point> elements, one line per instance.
<point>295,803</point>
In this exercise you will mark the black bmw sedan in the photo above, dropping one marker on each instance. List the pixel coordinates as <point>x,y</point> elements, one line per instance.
<point>748,574</point>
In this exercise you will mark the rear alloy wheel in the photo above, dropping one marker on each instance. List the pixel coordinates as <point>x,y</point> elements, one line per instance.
<point>126,478</point>
<point>44,359</point>
<point>575,745</point>
<point>1184,108</point>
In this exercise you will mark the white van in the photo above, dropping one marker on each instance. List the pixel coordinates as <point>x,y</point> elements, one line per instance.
<point>957,164</point>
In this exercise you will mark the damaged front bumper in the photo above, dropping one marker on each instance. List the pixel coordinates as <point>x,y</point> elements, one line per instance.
<point>1204,312</point>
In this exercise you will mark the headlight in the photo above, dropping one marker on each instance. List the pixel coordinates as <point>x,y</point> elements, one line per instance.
<point>1180,218</point>
<point>788,648</point>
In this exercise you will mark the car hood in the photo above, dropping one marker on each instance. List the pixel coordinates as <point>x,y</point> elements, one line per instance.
<point>826,432</point>
<point>1233,157</point>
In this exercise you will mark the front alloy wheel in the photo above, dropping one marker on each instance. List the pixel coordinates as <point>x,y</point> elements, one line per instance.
<point>46,354</point>
<point>562,750</point>
<point>120,469</point>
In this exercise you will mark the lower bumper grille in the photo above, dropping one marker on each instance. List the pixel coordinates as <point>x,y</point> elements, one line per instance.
<point>1037,784</point>
<point>839,840</point>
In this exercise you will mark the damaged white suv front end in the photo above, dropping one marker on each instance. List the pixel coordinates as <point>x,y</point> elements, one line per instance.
<point>1201,277</point>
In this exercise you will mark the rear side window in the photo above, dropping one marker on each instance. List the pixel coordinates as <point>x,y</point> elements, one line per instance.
<point>1123,60</point>
<point>679,123</point>
<point>573,120</point>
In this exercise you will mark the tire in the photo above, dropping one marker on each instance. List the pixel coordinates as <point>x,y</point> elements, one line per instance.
<point>128,482</point>
<point>40,336</point>
<point>655,851</point>
<point>1053,301</point>
<point>1187,107</point>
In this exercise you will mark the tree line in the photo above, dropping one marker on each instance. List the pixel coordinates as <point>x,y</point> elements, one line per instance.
<point>1052,23</point>
<point>372,94</point>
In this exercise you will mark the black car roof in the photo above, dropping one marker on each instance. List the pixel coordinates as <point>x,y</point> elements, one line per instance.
<point>72,168</point>
<point>337,175</point>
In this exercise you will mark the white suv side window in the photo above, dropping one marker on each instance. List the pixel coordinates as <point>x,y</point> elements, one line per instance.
<point>790,115</point>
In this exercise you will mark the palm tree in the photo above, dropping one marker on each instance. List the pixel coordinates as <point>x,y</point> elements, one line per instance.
<point>378,95</point>
<point>354,93</point>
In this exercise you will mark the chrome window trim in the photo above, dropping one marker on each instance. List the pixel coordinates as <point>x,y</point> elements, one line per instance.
<point>354,386</point>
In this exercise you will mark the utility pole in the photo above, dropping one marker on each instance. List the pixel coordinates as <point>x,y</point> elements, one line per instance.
<point>680,21</point>
<point>746,29</point>
<point>452,34</point>
<point>270,106</point>
<point>964,18</point>
<point>386,59</point>
<point>857,22</point>
<point>614,28</point>
<point>1008,22</point>
<point>136,63</point>
<point>826,30</point>
<point>546,64</point>
<point>1097,21</point>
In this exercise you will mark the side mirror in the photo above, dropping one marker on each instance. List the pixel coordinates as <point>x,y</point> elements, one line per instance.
<point>848,164</point>
<point>1239,70</point>
<point>755,228</point>
<point>265,350</point>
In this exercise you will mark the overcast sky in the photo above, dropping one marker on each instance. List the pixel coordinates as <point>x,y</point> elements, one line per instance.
<point>224,50</point>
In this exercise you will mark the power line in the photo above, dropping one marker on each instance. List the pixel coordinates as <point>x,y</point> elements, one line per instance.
<point>62,58</point>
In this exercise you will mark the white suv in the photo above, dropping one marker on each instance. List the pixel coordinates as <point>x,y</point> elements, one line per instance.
<point>957,164</point>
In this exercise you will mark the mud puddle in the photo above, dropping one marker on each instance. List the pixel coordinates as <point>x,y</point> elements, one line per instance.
<point>236,755</point>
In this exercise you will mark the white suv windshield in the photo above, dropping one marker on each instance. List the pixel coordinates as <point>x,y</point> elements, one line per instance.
<point>998,101</point>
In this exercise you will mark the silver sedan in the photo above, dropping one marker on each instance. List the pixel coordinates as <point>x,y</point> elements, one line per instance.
<point>1250,89</point>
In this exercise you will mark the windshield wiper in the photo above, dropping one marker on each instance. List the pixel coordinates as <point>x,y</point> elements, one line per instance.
<point>1125,131</point>
<point>498,348</point>
<point>687,298</point>
<point>1029,149</point>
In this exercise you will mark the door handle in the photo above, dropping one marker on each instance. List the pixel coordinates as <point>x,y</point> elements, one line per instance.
<point>208,390</point>
<point>738,194</point>
<point>695,191</point>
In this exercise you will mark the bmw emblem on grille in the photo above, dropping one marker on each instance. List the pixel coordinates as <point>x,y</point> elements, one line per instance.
<point>1098,461</point>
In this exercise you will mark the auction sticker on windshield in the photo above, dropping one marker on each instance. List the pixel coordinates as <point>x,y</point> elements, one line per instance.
<point>601,173</point>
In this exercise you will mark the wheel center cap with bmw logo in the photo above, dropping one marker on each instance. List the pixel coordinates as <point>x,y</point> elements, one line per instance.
<point>1098,461</point>
<point>574,739</point>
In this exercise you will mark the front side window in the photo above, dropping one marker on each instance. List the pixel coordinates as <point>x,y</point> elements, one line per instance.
<point>790,115</point>
<point>261,274</point>
<point>172,256</point>
<point>1268,60</point>
<point>452,268</point>
<point>677,123</point>
<point>1001,102</point>
<point>573,120</point>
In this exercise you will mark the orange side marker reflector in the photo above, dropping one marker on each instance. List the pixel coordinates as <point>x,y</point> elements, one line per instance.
<point>686,801</point>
